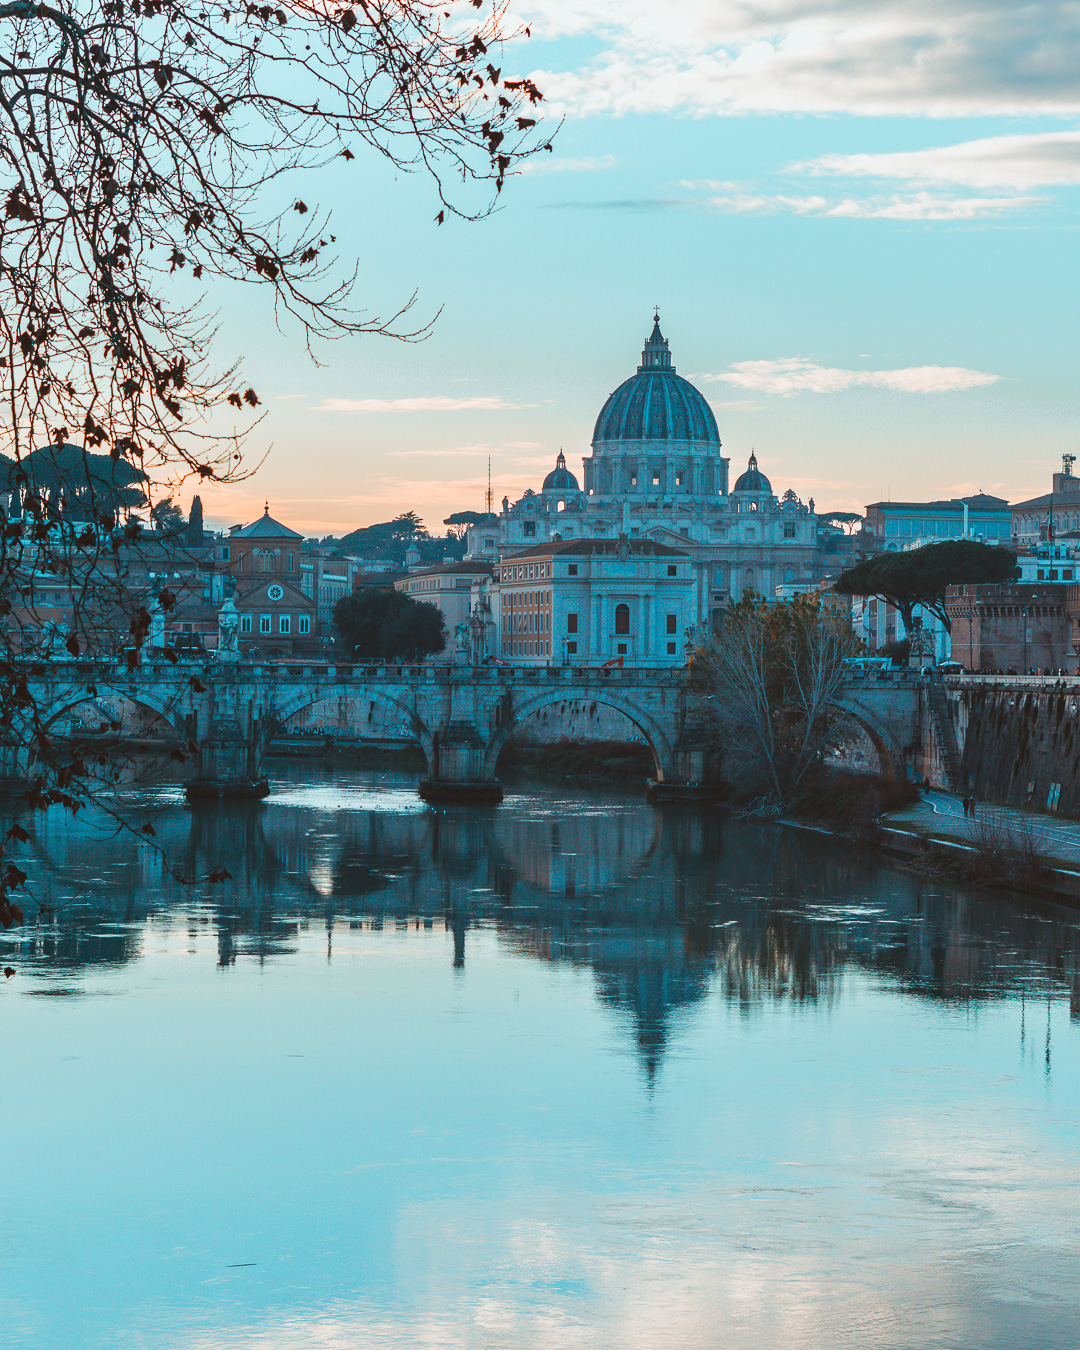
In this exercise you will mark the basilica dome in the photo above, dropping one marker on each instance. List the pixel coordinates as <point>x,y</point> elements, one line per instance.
<point>560,479</point>
<point>656,404</point>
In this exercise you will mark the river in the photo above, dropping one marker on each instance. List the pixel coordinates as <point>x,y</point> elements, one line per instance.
<point>570,1072</point>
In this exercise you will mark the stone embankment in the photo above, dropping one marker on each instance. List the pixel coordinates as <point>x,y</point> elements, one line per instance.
<point>1018,739</point>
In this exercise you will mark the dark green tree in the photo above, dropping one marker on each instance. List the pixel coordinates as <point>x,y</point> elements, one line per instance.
<point>385,624</point>
<point>921,576</point>
<point>167,516</point>
<point>846,520</point>
<point>460,521</point>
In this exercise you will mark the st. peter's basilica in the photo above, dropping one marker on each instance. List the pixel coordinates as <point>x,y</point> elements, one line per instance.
<point>656,472</point>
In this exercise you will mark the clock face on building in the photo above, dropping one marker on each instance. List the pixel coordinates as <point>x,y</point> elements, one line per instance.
<point>274,592</point>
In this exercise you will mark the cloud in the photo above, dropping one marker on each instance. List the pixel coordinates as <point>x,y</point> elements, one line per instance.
<point>586,164</point>
<point>891,57</point>
<point>1049,158</point>
<point>913,206</point>
<point>797,375</point>
<point>409,405</point>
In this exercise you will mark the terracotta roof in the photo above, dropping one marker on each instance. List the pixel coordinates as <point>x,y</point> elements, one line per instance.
<point>266,527</point>
<point>443,569</point>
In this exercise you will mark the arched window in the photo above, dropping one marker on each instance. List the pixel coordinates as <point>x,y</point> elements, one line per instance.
<point>789,574</point>
<point>749,579</point>
<point>622,619</point>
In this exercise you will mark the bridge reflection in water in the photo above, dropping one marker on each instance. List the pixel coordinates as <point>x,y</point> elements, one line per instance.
<point>661,906</point>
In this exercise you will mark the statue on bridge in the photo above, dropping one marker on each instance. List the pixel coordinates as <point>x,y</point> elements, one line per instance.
<point>228,647</point>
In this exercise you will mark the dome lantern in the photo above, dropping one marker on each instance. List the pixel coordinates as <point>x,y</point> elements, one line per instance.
<point>656,354</point>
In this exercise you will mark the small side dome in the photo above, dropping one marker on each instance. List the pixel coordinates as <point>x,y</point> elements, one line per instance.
<point>753,480</point>
<point>560,479</point>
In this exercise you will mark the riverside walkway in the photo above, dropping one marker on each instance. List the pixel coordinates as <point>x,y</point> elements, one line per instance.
<point>941,815</point>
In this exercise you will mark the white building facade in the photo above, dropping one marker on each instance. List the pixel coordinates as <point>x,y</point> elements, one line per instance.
<point>592,601</point>
<point>656,473</point>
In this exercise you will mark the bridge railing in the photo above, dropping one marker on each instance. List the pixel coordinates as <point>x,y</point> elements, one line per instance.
<point>297,673</point>
<point>1036,684</point>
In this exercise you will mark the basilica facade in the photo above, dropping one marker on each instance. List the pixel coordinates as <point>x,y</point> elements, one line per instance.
<point>656,473</point>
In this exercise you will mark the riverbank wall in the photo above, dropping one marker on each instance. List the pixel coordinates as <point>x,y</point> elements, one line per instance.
<point>1018,740</point>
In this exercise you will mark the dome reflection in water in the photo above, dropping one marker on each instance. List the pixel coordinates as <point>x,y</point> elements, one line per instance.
<point>569,1071</point>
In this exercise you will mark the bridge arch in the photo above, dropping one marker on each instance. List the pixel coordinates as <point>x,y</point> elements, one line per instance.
<point>165,707</point>
<point>883,738</point>
<point>656,738</point>
<point>306,698</point>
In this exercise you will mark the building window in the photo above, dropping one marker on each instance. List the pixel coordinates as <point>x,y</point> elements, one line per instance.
<point>671,649</point>
<point>571,649</point>
<point>622,619</point>
<point>621,649</point>
<point>789,531</point>
<point>304,624</point>
<point>489,544</point>
<point>285,623</point>
<point>656,480</point>
<point>241,562</point>
<point>245,623</point>
<point>633,480</point>
<point>571,571</point>
<point>266,560</point>
<point>292,562</point>
<point>684,530</point>
<point>571,623</point>
<point>672,624</point>
<point>530,529</point>
<point>789,575</point>
<point>678,480</point>
<point>264,623</point>
<point>673,570</point>
<point>224,553</point>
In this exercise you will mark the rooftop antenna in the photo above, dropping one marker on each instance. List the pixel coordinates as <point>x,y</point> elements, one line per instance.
<point>488,500</point>
<point>1067,461</point>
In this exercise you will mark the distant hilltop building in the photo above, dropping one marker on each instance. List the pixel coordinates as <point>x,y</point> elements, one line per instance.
<point>656,472</point>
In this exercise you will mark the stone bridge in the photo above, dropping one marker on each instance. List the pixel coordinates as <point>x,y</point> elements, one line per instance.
<point>460,716</point>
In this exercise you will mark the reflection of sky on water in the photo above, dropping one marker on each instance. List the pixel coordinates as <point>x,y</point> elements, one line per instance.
<point>571,1072</point>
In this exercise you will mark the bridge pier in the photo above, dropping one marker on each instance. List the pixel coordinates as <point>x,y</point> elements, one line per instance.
<point>230,741</point>
<point>458,773</point>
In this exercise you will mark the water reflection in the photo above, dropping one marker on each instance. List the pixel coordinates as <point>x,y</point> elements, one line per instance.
<point>569,1073</point>
<point>661,906</point>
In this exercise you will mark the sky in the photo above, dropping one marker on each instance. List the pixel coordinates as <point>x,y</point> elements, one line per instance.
<point>858,219</point>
